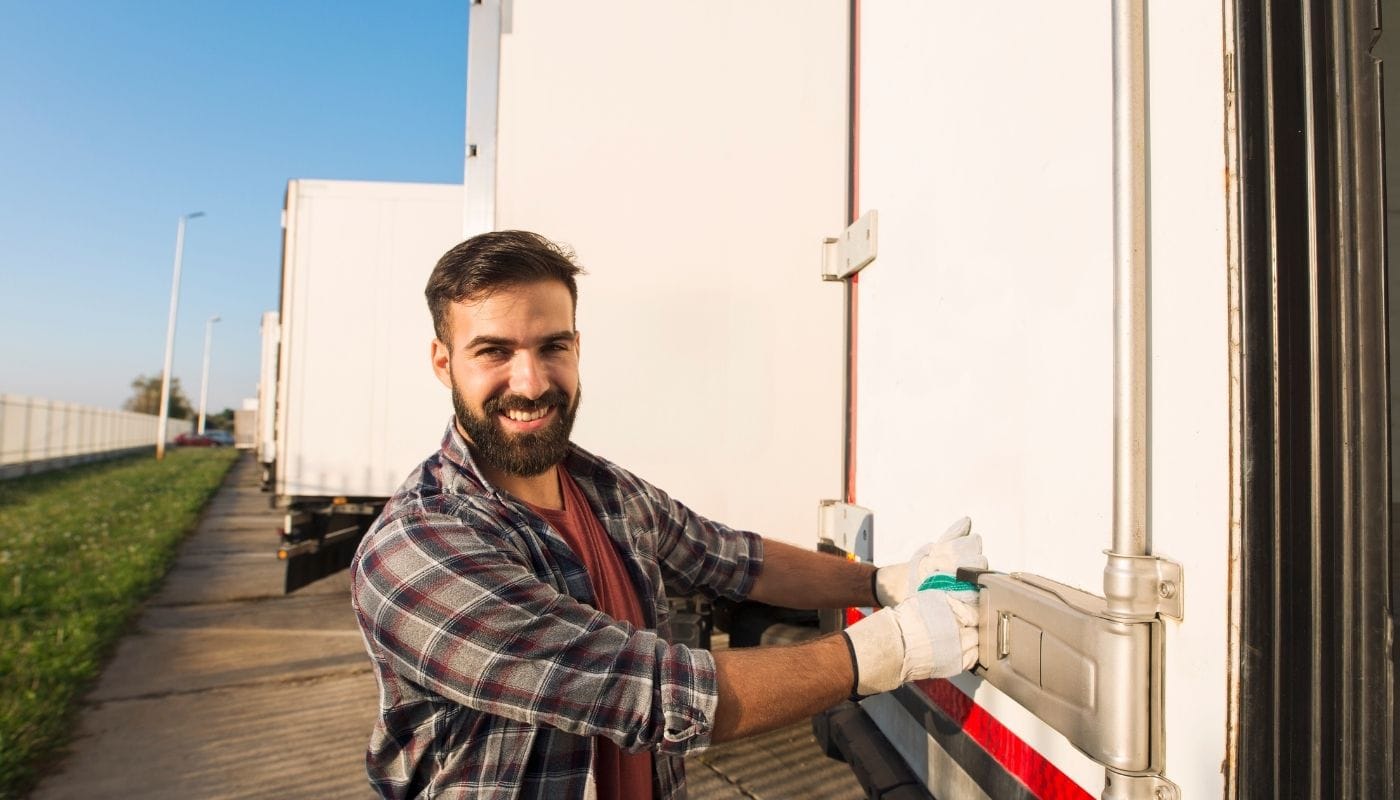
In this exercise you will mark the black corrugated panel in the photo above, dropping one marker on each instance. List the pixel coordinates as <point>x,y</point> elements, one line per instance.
<point>1317,673</point>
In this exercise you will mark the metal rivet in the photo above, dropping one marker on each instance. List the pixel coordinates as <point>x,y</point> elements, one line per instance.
<point>1166,590</point>
<point>1163,793</point>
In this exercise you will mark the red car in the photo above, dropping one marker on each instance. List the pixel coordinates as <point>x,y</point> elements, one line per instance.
<point>194,440</point>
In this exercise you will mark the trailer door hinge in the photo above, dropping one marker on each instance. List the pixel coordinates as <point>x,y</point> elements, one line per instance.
<point>847,254</point>
<point>848,526</point>
<point>1121,786</point>
<point>1141,587</point>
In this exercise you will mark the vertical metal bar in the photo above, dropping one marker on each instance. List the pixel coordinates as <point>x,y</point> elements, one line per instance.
<point>1129,578</point>
<point>161,410</point>
<point>1130,535</point>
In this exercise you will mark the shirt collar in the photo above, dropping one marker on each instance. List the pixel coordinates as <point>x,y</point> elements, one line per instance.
<point>456,451</point>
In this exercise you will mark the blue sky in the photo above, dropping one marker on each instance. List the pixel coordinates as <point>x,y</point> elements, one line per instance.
<point>116,118</point>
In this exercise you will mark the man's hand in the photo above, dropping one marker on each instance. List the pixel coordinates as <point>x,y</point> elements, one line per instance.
<point>932,634</point>
<point>957,547</point>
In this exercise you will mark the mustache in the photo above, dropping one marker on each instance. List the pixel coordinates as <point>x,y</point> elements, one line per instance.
<point>515,402</point>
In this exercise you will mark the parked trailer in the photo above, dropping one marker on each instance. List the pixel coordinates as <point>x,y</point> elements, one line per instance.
<point>696,192</point>
<point>357,406</point>
<point>1112,285</point>
<point>264,429</point>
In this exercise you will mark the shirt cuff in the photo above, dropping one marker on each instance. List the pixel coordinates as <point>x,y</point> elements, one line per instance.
<point>687,707</point>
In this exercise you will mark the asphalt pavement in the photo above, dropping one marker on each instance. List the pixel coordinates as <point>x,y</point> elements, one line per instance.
<point>226,688</point>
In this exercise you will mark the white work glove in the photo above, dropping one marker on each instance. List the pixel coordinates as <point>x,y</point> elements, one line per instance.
<point>933,634</point>
<point>957,547</point>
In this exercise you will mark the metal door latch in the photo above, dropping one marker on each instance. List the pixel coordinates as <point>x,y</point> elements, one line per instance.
<point>1092,676</point>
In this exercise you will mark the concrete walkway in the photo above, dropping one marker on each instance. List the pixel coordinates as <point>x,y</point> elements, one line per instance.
<point>226,688</point>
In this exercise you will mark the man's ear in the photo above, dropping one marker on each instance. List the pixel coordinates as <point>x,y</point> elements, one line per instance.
<point>441,354</point>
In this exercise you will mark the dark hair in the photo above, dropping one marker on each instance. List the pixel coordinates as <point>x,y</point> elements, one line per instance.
<point>489,262</point>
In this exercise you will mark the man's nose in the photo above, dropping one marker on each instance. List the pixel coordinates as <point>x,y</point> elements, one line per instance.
<point>527,376</point>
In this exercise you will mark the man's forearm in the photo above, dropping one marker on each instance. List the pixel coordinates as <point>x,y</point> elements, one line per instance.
<point>797,578</point>
<point>764,688</point>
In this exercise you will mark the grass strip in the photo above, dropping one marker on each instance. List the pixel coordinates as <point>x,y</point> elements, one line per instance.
<point>80,549</point>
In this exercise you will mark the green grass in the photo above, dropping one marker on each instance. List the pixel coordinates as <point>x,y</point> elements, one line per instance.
<point>80,549</point>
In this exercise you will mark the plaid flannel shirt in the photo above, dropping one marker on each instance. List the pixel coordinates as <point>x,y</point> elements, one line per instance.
<point>495,672</point>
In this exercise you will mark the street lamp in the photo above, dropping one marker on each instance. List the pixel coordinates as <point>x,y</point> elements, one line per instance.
<point>170,336</point>
<point>204,380</point>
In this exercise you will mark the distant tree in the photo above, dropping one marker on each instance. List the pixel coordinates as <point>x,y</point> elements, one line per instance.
<point>145,398</point>
<point>222,421</point>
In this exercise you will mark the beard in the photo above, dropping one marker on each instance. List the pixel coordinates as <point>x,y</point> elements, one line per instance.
<point>525,454</point>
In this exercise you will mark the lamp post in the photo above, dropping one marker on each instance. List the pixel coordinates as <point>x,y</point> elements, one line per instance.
<point>164,410</point>
<point>204,379</point>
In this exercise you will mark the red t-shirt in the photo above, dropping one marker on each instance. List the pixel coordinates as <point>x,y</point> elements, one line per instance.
<point>619,775</point>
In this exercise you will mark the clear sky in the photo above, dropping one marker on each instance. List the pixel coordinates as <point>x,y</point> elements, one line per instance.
<point>116,118</point>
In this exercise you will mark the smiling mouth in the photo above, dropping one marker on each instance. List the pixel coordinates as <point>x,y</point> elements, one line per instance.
<point>527,416</point>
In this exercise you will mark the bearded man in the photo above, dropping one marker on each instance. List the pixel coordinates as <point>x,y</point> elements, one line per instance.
<point>512,595</point>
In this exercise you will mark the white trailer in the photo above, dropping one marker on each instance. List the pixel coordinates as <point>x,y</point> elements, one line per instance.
<point>696,192</point>
<point>357,406</point>
<point>264,429</point>
<point>1124,305</point>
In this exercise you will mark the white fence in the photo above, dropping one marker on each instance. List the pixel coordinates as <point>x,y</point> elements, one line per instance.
<point>38,434</point>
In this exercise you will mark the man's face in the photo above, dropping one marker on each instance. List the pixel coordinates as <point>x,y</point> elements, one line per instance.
<point>513,370</point>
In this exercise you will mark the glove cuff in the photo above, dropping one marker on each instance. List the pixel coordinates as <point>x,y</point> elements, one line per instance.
<point>891,584</point>
<point>855,665</point>
<point>877,652</point>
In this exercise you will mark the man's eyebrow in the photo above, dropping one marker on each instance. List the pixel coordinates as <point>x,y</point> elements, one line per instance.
<point>490,340</point>
<point>502,341</point>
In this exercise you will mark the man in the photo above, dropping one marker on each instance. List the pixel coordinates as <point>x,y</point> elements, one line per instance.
<point>512,594</point>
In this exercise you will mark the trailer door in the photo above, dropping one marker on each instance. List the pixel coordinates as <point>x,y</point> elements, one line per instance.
<point>984,352</point>
<point>984,382</point>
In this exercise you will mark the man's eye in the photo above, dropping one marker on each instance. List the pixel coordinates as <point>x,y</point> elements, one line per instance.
<point>491,352</point>
<point>557,347</point>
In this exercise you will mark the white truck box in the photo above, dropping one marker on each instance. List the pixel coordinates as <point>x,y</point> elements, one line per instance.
<point>264,433</point>
<point>357,403</point>
<point>697,156</point>
<point>692,155</point>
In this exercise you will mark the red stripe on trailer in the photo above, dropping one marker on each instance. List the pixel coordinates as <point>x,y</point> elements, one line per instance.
<point>1044,779</point>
